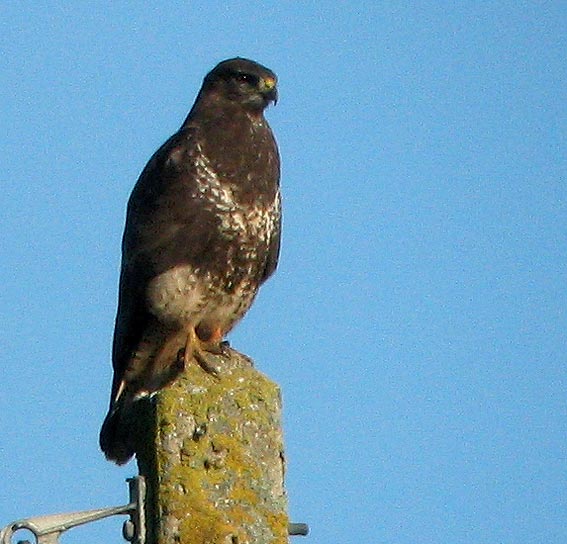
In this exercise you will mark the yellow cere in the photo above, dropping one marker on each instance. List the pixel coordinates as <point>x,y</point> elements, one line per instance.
<point>270,82</point>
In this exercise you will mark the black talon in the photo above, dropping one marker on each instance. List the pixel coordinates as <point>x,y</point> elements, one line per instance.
<point>180,361</point>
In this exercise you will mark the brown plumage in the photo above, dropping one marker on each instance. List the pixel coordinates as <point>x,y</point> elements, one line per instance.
<point>202,234</point>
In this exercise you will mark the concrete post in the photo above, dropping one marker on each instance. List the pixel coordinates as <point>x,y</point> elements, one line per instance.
<point>211,450</point>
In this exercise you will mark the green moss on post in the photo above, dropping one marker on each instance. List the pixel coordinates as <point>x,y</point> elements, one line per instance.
<point>211,450</point>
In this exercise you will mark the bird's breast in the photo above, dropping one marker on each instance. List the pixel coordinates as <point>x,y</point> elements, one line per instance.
<point>177,295</point>
<point>217,273</point>
<point>184,296</point>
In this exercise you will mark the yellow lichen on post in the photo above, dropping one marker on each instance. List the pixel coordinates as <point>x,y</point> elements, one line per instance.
<point>213,458</point>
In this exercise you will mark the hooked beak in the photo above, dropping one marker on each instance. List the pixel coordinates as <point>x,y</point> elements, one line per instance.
<point>269,89</point>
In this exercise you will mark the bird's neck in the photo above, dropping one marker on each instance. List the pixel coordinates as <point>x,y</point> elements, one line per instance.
<point>213,108</point>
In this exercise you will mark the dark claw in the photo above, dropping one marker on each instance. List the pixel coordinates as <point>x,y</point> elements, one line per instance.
<point>180,361</point>
<point>219,349</point>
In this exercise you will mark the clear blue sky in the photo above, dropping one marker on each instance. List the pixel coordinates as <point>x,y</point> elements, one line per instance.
<point>417,321</point>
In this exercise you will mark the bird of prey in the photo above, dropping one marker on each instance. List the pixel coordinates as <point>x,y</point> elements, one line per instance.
<point>202,234</point>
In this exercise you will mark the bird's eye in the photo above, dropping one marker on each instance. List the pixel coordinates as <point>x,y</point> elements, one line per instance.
<point>247,78</point>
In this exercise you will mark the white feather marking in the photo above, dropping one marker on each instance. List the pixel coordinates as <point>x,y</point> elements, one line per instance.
<point>176,296</point>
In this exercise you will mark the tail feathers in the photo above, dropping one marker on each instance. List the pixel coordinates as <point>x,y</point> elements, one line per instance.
<point>117,433</point>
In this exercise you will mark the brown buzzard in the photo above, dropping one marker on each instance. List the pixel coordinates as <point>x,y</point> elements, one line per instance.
<point>202,234</point>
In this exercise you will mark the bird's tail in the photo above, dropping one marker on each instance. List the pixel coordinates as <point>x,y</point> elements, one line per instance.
<point>117,434</point>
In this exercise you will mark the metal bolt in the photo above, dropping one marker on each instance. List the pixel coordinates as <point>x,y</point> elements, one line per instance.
<point>298,529</point>
<point>128,530</point>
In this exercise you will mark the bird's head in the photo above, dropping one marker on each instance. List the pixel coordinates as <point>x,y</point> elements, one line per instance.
<point>243,81</point>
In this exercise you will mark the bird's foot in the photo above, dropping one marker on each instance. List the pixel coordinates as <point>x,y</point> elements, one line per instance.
<point>180,360</point>
<point>208,361</point>
<point>205,351</point>
<point>216,348</point>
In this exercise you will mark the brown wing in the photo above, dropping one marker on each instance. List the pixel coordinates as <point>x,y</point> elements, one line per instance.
<point>165,226</point>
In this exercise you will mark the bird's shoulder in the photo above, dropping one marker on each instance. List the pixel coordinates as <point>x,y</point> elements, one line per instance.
<point>176,156</point>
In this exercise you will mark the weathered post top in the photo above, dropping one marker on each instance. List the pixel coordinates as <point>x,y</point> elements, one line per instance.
<point>211,450</point>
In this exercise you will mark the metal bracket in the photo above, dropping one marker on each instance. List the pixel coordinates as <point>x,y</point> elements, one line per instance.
<point>298,529</point>
<point>48,529</point>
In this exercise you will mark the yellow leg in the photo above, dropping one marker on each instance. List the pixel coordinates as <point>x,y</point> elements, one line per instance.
<point>204,352</point>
